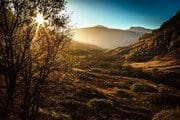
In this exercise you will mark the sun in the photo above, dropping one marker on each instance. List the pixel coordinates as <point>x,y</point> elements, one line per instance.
<point>39,19</point>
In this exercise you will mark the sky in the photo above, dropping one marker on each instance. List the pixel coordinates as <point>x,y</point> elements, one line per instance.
<point>121,14</point>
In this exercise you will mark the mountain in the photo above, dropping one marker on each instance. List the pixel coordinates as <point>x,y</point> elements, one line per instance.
<point>100,26</point>
<point>155,54</point>
<point>162,42</point>
<point>140,30</point>
<point>108,37</point>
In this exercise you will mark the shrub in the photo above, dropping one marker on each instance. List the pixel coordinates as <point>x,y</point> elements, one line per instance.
<point>143,88</point>
<point>102,107</point>
<point>164,99</point>
<point>105,65</point>
<point>123,85</point>
<point>124,93</point>
<point>134,72</point>
<point>44,113</point>
<point>168,115</point>
<point>88,93</point>
<point>77,109</point>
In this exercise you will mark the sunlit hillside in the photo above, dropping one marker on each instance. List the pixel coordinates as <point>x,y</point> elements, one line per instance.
<point>109,37</point>
<point>83,46</point>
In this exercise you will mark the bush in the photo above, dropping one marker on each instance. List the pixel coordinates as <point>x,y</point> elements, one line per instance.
<point>124,85</point>
<point>168,115</point>
<point>105,65</point>
<point>102,107</point>
<point>124,93</point>
<point>143,88</point>
<point>164,99</point>
<point>134,72</point>
<point>76,109</point>
<point>44,113</point>
<point>88,93</point>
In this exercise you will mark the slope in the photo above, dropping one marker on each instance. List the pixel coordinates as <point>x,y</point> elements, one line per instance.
<point>108,37</point>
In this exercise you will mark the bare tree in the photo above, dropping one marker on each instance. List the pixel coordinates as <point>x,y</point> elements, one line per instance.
<point>28,49</point>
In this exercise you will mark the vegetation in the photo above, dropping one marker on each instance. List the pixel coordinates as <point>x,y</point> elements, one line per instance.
<point>167,115</point>
<point>143,88</point>
<point>103,108</point>
<point>124,93</point>
<point>29,51</point>
<point>86,94</point>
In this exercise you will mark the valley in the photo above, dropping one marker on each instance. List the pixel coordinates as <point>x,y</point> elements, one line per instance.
<point>137,82</point>
<point>93,96</point>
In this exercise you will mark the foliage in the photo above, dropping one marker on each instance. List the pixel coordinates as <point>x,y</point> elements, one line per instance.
<point>163,99</point>
<point>54,115</point>
<point>102,107</point>
<point>173,114</point>
<point>88,93</point>
<point>124,93</point>
<point>30,51</point>
<point>105,65</point>
<point>143,88</point>
<point>77,110</point>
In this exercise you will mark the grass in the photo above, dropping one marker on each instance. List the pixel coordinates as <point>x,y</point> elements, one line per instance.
<point>137,87</point>
<point>77,110</point>
<point>102,107</point>
<point>54,115</point>
<point>88,99</point>
<point>163,99</point>
<point>122,85</point>
<point>123,93</point>
<point>168,115</point>
<point>88,93</point>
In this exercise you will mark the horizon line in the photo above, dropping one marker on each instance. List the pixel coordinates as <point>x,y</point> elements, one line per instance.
<point>121,28</point>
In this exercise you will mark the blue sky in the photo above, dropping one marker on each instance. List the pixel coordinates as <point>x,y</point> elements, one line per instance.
<point>121,14</point>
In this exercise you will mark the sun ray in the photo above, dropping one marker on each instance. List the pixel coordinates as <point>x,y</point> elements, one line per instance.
<point>36,34</point>
<point>40,21</point>
<point>47,33</point>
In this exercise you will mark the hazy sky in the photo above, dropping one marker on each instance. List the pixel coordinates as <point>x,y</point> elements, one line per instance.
<point>121,13</point>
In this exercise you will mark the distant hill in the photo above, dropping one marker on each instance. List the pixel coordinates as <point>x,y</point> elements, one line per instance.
<point>161,42</point>
<point>156,54</point>
<point>82,50</point>
<point>107,37</point>
<point>140,30</point>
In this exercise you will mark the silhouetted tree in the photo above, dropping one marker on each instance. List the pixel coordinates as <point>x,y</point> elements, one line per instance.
<point>28,50</point>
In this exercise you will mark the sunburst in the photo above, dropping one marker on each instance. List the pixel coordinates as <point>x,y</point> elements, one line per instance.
<point>39,19</point>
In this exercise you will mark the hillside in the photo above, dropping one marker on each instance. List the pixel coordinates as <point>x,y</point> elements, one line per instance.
<point>154,54</point>
<point>140,29</point>
<point>162,42</point>
<point>100,91</point>
<point>75,45</point>
<point>108,37</point>
<point>97,96</point>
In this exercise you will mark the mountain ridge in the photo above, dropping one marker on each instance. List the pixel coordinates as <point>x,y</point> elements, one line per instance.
<point>140,29</point>
<point>155,55</point>
<point>107,37</point>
